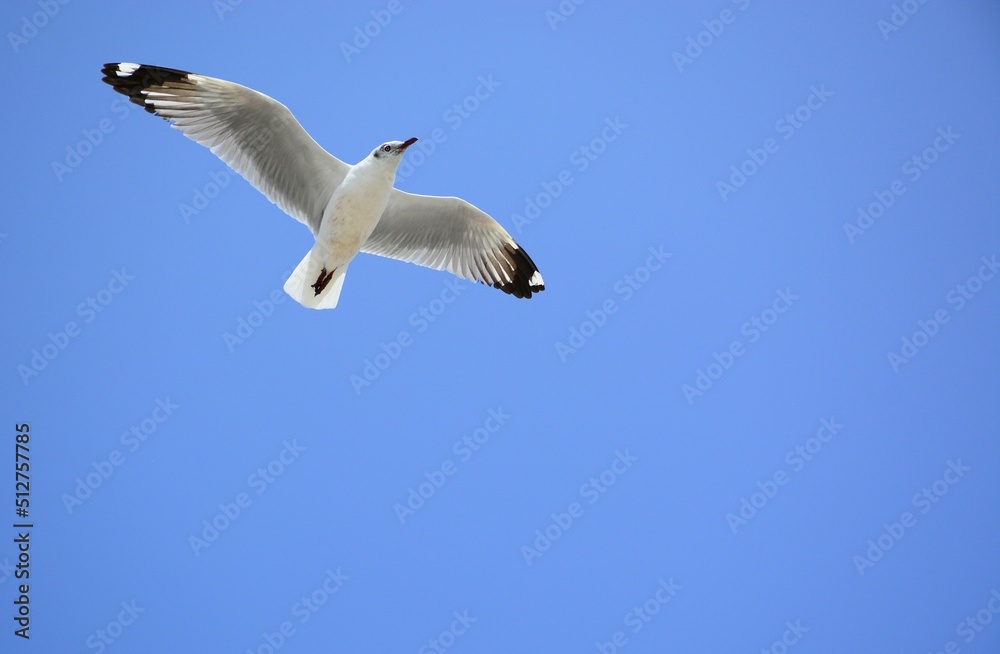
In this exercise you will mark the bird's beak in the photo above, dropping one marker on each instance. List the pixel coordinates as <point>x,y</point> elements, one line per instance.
<point>408,142</point>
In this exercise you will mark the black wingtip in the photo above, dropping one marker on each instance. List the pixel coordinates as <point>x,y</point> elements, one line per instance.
<point>524,269</point>
<point>132,79</point>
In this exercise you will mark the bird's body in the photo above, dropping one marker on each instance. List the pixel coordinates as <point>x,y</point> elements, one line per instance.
<point>354,209</point>
<point>348,220</point>
<point>349,209</point>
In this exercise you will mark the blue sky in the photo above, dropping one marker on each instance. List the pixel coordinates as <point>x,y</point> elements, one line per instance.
<point>754,409</point>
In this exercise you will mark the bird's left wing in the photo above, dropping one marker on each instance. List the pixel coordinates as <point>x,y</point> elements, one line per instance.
<point>451,234</point>
<point>255,135</point>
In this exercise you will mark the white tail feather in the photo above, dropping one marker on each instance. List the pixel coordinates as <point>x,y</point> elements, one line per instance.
<point>299,283</point>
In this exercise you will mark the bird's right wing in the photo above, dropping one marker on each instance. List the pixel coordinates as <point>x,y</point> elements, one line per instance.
<point>451,234</point>
<point>255,135</point>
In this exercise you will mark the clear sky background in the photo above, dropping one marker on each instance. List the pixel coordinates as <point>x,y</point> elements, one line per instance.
<point>754,409</point>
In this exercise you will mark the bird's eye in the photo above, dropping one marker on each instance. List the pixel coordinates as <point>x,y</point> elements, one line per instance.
<point>386,148</point>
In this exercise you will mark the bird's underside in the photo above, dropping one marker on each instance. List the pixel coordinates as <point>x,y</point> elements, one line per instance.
<point>261,140</point>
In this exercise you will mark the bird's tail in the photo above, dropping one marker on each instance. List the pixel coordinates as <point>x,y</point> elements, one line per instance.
<point>300,284</point>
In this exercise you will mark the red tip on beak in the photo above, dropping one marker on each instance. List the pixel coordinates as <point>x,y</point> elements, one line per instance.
<point>408,142</point>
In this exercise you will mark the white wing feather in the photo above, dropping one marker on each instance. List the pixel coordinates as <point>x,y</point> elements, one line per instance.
<point>254,134</point>
<point>447,233</point>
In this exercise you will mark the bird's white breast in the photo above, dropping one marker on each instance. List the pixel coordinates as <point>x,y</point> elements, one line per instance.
<point>352,213</point>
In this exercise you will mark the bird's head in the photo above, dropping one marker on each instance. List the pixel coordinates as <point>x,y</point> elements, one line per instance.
<point>392,150</point>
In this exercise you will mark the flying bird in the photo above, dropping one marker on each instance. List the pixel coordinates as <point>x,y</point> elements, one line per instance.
<point>349,209</point>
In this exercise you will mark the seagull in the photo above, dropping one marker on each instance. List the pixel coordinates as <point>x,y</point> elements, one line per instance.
<point>349,209</point>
